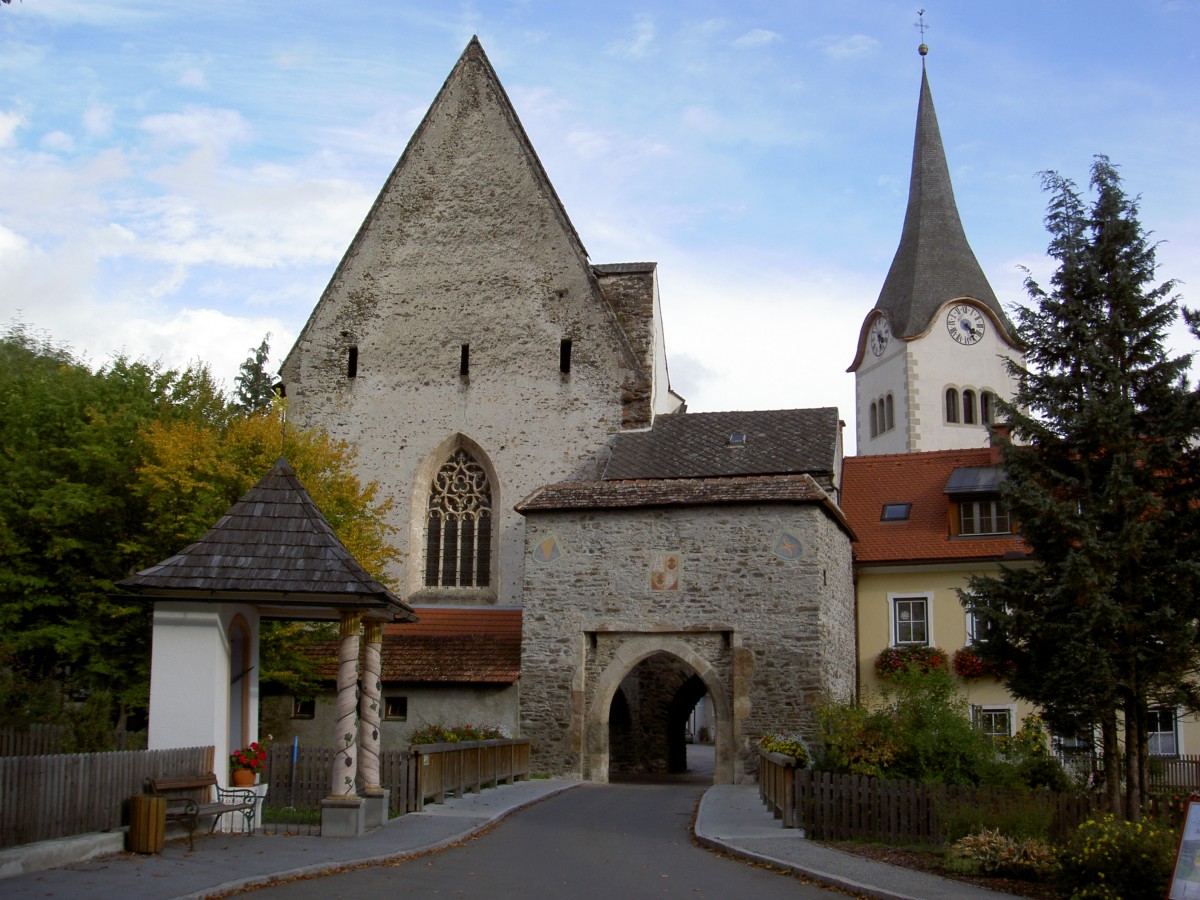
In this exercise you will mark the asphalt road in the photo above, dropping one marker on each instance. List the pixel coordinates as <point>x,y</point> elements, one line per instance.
<point>596,841</point>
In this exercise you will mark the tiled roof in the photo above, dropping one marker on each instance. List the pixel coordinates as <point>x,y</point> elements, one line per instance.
<point>576,495</point>
<point>933,263</point>
<point>697,445</point>
<point>272,546</point>
<point>918,479</point>
<point>463,646</point>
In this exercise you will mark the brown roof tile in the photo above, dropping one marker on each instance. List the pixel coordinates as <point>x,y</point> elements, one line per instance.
<point>919,479</point>
<point>461,646</point>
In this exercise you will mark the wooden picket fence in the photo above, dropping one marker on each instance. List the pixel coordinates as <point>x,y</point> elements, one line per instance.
<point>59,795</point>
<point>301,780</point>
<point>833,807</point>
<point>42,740</point>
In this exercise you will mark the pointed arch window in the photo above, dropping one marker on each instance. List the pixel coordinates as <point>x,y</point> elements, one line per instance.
<point>874,420</point>
<point>890,418</point>
<point>952,406</point>
<point>458,539</point>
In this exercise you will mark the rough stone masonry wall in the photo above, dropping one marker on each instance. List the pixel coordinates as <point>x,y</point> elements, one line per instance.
<point>465,245</point>
<point>791,621</point>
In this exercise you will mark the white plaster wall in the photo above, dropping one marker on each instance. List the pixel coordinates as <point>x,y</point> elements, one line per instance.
<point>189,678</point>
<point>917,372</point>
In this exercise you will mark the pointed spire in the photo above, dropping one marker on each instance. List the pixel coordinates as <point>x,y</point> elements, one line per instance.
<point>934,263</point>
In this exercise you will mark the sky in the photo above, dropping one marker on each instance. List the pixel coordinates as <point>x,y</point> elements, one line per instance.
<point>178,180</point>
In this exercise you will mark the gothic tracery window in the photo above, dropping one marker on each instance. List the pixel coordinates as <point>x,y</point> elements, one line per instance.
<point>458,540</point>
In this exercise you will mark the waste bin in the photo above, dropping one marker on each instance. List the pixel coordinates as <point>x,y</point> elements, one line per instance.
<point>147,823</point>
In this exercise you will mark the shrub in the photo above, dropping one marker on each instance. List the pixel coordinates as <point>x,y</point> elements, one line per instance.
<point>1118,860</point>
<point>789,745</point>
<point>1019,814</point>
<point>855,740</point>
<point>992,853</point>
<point>893,661</point>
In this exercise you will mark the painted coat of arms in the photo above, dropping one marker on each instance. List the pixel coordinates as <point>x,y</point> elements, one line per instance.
<point>664,572</point>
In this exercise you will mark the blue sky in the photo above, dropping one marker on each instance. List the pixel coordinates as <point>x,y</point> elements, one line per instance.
<point>178,179</point>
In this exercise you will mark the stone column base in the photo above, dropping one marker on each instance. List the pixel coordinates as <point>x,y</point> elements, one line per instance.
<point>375,808</point>
<point>342,817</point>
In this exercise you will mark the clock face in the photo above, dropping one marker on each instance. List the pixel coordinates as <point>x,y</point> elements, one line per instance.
<point>879,336</point>
<point>965,324</point>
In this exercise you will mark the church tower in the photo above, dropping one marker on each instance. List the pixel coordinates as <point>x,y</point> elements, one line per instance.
<point>931,354</point>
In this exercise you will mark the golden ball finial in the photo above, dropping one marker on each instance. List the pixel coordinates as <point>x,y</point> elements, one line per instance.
<point>923,49</point>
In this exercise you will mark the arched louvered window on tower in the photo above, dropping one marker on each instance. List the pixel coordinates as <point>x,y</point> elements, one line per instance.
<point>874,422</point>
<point>968,407</point>
<point>952,405</point>
<point>458,538</point>
<point>987,407</point>
<point>890,416</point>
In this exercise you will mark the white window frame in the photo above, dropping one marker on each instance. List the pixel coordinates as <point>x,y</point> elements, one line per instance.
<point>894,621</point>
<point>978,712</point>
<point>1152,735</point>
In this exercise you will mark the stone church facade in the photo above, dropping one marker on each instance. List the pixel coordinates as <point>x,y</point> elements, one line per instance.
<point>488,375</point>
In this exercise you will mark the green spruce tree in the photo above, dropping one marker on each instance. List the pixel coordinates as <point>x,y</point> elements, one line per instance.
<point>255,385</point>
<point>1099,466</point>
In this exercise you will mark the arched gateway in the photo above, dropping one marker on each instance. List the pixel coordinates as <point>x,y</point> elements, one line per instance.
<point>628,655</point>
<point>634,586</point>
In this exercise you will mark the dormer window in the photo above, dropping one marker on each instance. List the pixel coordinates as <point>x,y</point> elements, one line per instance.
<point>983,517</point>
<point>976,508</point>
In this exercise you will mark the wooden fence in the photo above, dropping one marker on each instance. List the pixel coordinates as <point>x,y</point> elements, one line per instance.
<point>52,796</point>
<point>424,773</point>
<point>302,780</point>
<point>41,740</point>
<point>469,766</point>
<point>777,785</point>
<point>853,807</point>
<point>45,797</point>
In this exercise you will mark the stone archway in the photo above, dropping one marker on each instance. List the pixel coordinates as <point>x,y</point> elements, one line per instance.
<point>632,652</point>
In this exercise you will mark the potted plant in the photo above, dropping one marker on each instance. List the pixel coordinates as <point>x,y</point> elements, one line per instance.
<point>245,764</point>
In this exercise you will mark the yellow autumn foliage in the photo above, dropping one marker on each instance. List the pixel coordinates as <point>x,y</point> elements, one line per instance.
<point>193,471</point>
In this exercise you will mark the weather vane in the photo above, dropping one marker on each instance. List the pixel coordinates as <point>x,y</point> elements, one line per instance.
<point>921,27</point>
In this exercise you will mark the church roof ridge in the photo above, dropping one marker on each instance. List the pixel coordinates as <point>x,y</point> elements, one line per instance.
<point>934,262</point>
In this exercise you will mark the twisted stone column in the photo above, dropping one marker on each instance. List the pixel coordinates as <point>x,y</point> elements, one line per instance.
<point>345,757</point>
<point>369,706</point>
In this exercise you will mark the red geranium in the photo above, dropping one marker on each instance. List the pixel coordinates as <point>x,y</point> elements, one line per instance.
<point>253,758</point>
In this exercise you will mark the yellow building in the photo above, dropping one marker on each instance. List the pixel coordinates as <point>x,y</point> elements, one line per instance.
<point>925,523</point>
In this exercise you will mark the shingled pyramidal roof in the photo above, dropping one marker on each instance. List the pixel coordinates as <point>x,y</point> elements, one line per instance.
<point>934,263</point>
<point>272,548</point>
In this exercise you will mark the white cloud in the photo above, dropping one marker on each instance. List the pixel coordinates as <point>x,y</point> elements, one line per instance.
<point>756,37</point>
<point>58,142</point>
<point>198,127</point>
<point>638,45</point>
<point>97,121</point>
<point>193,78</point>
<point>9,123</point>
<point>847,47</point>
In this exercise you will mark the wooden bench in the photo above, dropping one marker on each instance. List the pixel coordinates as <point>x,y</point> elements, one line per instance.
<point>188,811</point>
